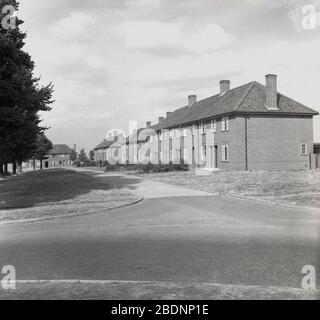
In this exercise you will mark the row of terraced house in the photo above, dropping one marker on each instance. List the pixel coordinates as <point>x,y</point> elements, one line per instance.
<point>250,127</point>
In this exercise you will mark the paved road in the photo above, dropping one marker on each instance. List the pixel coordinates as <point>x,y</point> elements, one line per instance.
<point>184,237</point>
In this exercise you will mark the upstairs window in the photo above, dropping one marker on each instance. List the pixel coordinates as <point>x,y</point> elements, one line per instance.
<point>225,124</point>
<point>178,134</point>
<point>194,128</point>
<point>225,153</point>
<point>170,134</point>
<point>304,149</point>
<point>213,126</point>
<point>202,128</point>
<point>185,132</point>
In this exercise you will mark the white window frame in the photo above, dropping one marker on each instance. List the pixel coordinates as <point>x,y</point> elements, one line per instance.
<point>202,126</point>
<point>151,139</point>
<point>170,134</point>
<point>213,126</point>
<point>178,133</point>
<point>185,132</point>
<point>225,124</point>
<point>194,130</point>
<point>304,145</point>
<point>160,136</point>
<point>225,154</point>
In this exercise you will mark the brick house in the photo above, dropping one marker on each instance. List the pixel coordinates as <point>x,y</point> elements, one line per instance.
<point>58,156</point>
<point>250,127</point>
<point>110,150</point>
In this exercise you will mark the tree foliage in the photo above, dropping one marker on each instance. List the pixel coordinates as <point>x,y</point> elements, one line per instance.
<point>21,96</point>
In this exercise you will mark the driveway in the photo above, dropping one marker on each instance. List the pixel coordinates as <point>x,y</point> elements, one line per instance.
<point>175,235</point>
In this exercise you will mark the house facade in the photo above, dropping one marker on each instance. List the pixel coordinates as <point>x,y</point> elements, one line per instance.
<point>58,156</point>
<point>250,127</point>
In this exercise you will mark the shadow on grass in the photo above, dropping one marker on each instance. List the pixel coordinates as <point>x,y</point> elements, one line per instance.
<point>46,186</point>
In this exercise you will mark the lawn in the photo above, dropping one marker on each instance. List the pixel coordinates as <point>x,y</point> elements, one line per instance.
<point>58,192</point>
<point>289,187</point>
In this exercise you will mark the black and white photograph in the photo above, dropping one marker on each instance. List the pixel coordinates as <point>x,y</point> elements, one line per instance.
<point>159,150</point>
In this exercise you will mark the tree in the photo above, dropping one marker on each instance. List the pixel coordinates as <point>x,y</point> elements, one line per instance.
<point>44,145</point>
<point>21,96</point>
<point>91,155</point>
<point>82,156</point>
<point>73,155</point>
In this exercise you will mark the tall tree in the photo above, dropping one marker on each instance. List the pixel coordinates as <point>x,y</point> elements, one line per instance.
<point>82,156</point>
<point>91,155</point>
<point>21,96</point>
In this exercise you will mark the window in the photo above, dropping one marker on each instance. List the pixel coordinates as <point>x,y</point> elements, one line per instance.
<point>202,128</point>
<point>304,149</point>
<point>213,126</point>
<point>194,128</point>
<point>170,134</point>
<point>160,136</point>
<point>225,153</point>
<point>170,155</point>
<point>225,124</point>
<point>185,132</point>
<point>151,139</point>
<point>178,134</point>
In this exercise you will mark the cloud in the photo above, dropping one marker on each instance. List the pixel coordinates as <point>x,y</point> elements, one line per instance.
<point>211,37</point>
<point>154,35</point>
<point>75,26</point>
<point>143,3</point>
<point>147,35</point>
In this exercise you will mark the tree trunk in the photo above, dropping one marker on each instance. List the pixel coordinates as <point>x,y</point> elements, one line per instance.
<point>34,164</point>
<point>14,168</point>
<point>1,169</point>
<point>5,169</point>
<point>20,166</point>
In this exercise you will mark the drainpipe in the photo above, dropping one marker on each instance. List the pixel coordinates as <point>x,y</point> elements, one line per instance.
<point>246,140</point>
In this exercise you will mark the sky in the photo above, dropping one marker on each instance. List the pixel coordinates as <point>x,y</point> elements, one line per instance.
<point>115,61</point>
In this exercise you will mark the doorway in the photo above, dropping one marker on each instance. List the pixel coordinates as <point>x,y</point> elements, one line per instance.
<point>214,157</point>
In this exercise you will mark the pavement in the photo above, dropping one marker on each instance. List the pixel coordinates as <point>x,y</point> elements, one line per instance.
<point>175,235</point>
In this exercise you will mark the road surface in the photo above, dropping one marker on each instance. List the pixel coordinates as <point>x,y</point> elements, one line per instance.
<point>173,235</point>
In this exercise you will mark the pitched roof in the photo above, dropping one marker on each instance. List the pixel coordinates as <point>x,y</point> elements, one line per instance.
<point>248,98</point>
<point>60,149</point>
<point>105,144</point>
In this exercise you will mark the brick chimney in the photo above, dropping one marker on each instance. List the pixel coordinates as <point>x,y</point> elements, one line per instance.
<point>224,86</point>
<point>148,124</point>
<point>169,114</point>
<point>192,99</point>
<point>271,92</point>
<point>160,119</point>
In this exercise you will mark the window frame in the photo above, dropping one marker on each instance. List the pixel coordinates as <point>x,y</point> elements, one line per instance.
<point>304,144</point>
<point>225,124</point>
<point>225,153</point>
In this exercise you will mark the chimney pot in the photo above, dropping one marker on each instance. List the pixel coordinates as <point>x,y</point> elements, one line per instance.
<point>148,124</point>
<point>271,92</point>
<point>192,99</point>
<point>160,119</point>
<point>169,114</point>
<point>224,86</point>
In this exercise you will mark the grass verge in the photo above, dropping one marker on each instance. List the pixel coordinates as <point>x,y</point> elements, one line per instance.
<point>300,188</point>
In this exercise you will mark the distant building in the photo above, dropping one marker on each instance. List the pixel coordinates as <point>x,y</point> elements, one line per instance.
<point>58,156</point>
